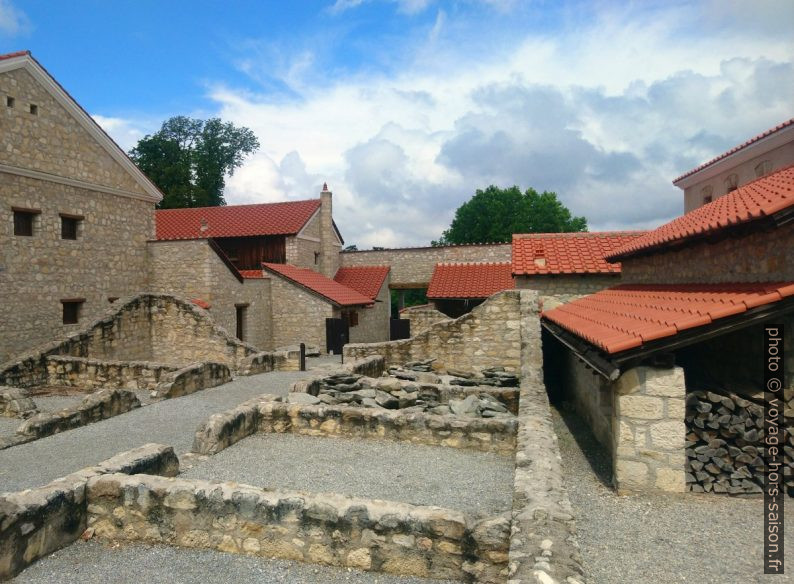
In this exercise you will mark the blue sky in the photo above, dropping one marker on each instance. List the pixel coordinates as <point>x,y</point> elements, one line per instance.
<point>406,107</point>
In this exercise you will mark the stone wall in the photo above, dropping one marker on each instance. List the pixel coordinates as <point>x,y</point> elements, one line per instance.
<point>412,267</point>
<point>370,366</point>
<point>94,407</point>
<point>591,396</point>
<point>90,374</point>
<point>373,322</point>
<point>763,256</point>
<point>488,336</point>
<point>301,249</point>
<point>649,430</point>
<point>557,289</point>
<point>16,404</point>
<point>263,414</point>
<point>193,378</point>
<point>422,317</point>
<point>36,522</point>
<point>151,327</point>
<point>327,529</point>
<point>192,269</point>
<point>298,315</point>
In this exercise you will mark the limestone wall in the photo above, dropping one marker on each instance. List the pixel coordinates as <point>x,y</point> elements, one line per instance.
<point>298,315</point>
<point>566,287</point>
<point>591,396</point>
<point>373,322</point>
<point>766,256</point>
<point>90,374</point>
<point>422,317</point>
<point>488,336</point>
<point>412,267</point>
<point>193,378</point>
<point>325,528</point>
<point>108,258</point>
<point>301,249</point>
<point>36,522</point>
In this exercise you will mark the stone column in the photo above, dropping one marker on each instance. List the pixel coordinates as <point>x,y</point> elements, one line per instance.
<point>649,430</point>
<point>329,252</point>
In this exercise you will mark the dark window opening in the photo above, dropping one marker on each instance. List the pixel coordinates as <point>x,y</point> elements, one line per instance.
<point>69,226</point>
<point>71,310</point>
<point>23,221</point>
<point>316,257</point>
<point>34,109</point>
<point>351,317</point>
<point>9,101</point>
<point>707,200</point>
<point>241,310</point>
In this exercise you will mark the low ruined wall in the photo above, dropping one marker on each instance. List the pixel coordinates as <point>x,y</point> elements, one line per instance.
<point>36,522</point>
<point>14,404</point>
<point>373,366</point>
<point>193,378</point>
<point>265,415</point>
<point>329,529</point>
<point>94,407</point>
<point>89,374</point>
<point>422,317</point>
<point>265,362</point>
<point>488,336</point>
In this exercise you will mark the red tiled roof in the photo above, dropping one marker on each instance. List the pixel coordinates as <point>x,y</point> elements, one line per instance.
<point>252,274</point>
<point>316,282</point>
<point>735,149</point>
<point>13,55</point>
<point>364,279</point>
<point>568,253</point>
<point>235,220</point>
<point>469,280</point>
<point>628,315</point>
<point>761,198</point>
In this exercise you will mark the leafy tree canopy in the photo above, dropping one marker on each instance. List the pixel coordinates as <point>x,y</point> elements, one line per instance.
<point>189,159</point>
<point>495,214</point>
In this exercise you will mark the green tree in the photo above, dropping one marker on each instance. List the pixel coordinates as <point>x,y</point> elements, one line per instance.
<point>189,159</point>
<point>495,214</point>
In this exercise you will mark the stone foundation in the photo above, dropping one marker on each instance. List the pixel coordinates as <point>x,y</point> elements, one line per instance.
<point>15,404</point>
<point>422,317</point>
<point>36,522</point>
<point>193,378</point>
<point>373,366</point>
<point>90,374</point>
<point>330,529</point>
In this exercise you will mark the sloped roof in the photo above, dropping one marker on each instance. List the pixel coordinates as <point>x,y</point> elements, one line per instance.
<point>364,279</point>
<point>629,315</point>
<point>25,60</point>
<point>286,218</point>
<point>756,200</point>
<point>736,149</point>
<point>469,280</point>
<point>568,253</point>
<point>319,284</point>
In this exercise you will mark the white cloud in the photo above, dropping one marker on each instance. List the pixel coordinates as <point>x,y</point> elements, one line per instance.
<point>125,132</point>
<point>13,22</point>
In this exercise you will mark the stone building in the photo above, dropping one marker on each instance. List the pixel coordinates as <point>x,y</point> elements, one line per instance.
<point>75,212</point>
<point>757,157</point>
<point>688,320</point>
<point>456,288</point>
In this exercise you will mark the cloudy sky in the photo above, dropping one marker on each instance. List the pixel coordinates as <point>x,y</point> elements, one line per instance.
<point>406,107</point>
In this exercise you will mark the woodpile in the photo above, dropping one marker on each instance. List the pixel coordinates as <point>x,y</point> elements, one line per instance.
<point>724,442</point>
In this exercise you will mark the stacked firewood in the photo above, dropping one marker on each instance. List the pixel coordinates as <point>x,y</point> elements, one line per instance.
<point>724,442</point>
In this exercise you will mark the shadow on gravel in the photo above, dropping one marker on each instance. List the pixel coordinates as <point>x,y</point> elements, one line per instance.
<point>597,457</point>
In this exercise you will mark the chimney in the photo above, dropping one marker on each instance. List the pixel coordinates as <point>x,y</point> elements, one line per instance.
<point>329,251</point>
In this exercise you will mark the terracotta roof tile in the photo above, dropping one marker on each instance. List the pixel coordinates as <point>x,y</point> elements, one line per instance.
<point>252,274</point>
<point>234,220</point>
<point>568,253</point>
<point>319,284</point>
<point>469,280</point>
<point>755,200</point>
<point>736,149</point>
<point>628,315</point>
<point>364,279</point>
<point>13,55</point>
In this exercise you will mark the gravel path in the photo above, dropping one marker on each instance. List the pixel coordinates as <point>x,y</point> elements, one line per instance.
<point>172,422</point>
<point>8,426</point>
<point>473,482</point>
<point>682,538</point>
<point>94,563</point>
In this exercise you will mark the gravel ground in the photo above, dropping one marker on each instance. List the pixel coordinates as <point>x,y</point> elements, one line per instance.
<point>688,538</point>
<point>473,482</point>
<point>8,426</point>
<point>94,563</point>
<point>54,403</point>
<point>172,422</point>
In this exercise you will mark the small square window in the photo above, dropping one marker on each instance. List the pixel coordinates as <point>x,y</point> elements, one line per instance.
<point>34,109</point>
<point>69,226</point>
<point>23,221</point>
<point>9,101</point>
<point>71,310</point>
<point>316,257</point>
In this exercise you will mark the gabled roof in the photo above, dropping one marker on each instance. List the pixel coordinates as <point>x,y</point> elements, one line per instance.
<point>629,315</point>
<point>469,280</point>
<point>25,60</point>
<point>568,253</point>
<point>319,284</point>
<point>762,198</point>
<point>364,279</point>
<point>762,136</point>
<point>286,218</point>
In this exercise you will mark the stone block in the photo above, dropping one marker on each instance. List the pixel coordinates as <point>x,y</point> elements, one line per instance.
<point>630,474</point>
<point>668,435</point>
<point>672,480</point>
<point>640,406</point>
